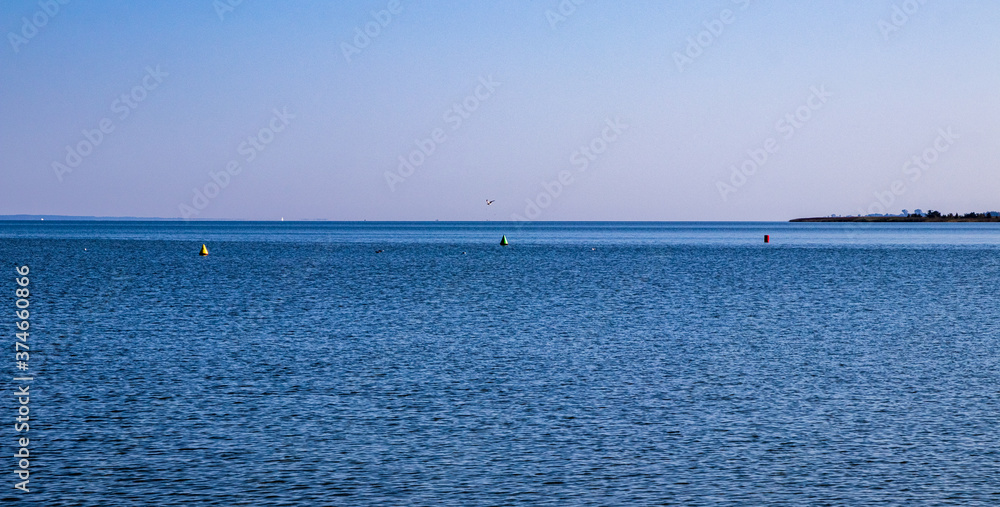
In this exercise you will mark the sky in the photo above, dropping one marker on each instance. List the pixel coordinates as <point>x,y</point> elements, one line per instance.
<point>554,109</point>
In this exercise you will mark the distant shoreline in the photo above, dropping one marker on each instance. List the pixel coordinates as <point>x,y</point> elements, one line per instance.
<point>897,219</point>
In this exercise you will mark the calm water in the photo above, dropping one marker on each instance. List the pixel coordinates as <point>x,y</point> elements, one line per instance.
<point>593,363</point>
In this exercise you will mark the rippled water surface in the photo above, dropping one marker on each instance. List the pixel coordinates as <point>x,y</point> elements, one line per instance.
<point>586,363</point>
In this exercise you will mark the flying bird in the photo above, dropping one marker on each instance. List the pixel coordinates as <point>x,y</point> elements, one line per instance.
<point>488,202</point>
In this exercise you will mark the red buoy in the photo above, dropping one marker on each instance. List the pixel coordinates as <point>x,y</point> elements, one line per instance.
<point>767,239</point>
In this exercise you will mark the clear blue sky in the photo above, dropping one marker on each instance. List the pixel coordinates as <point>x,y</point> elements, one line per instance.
<point>335,111</point>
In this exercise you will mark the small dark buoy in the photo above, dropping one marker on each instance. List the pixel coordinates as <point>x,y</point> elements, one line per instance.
<point>767,238</point>
<point>503,240</point>
<point>378,251</point>
<point>204,250</point>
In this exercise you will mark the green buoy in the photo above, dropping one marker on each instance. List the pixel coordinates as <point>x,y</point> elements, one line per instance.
<point>503,240</point>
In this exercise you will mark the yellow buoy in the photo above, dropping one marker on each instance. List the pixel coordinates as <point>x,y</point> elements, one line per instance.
<point>204,250</point>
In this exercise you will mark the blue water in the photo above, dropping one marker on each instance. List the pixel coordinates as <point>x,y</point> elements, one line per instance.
<point>584,364</point>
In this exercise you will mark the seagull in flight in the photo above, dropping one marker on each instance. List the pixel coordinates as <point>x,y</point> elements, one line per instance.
<point>488,202</point>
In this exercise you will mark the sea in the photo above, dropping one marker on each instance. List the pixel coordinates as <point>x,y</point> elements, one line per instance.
<point>584,363</point>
